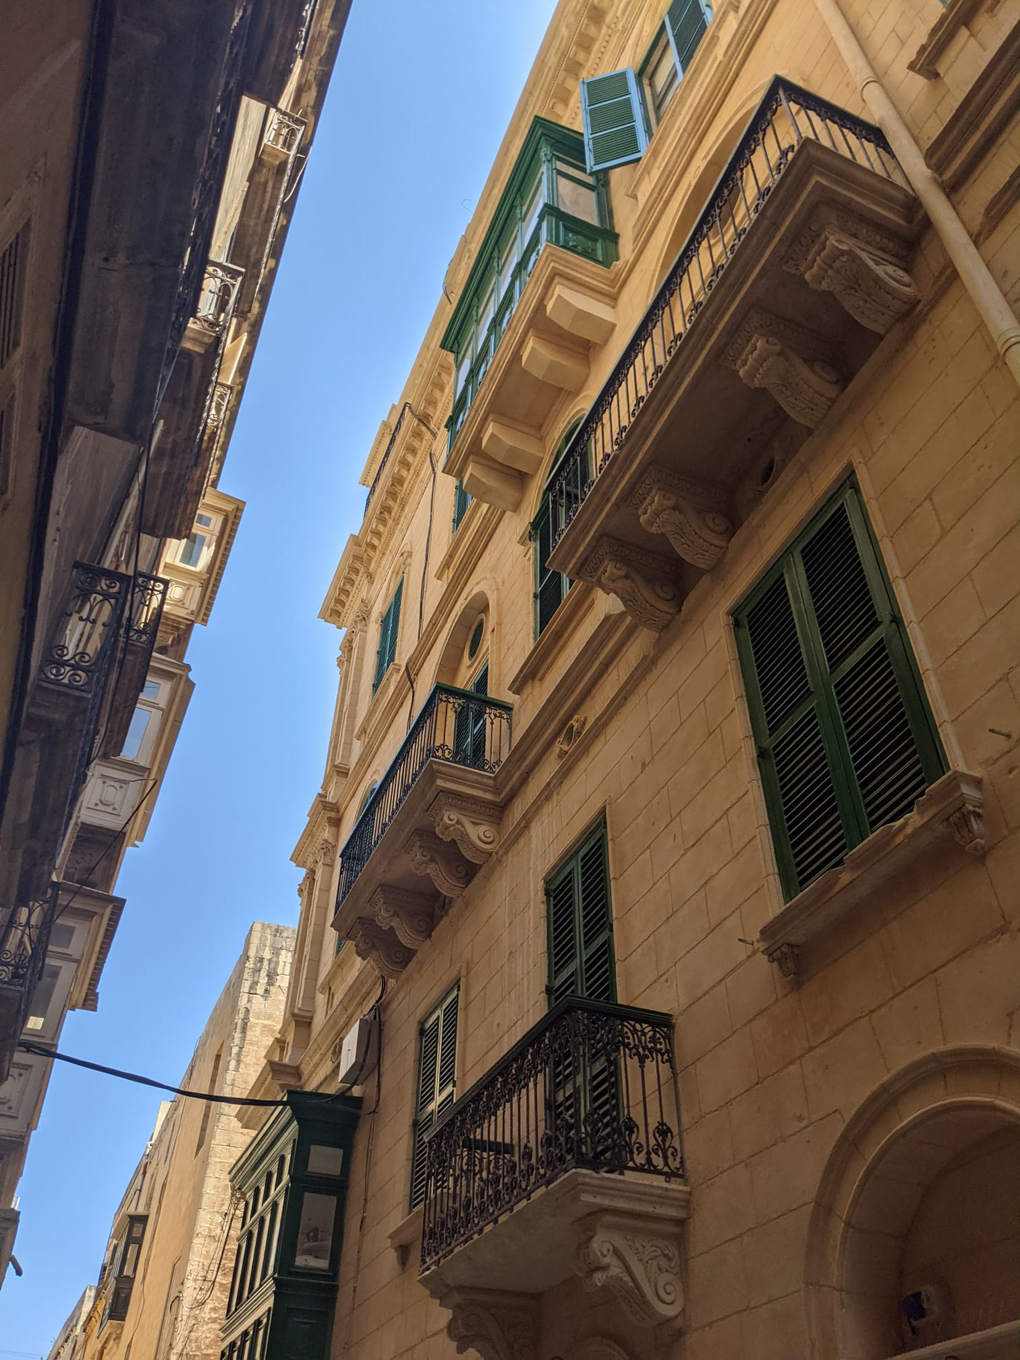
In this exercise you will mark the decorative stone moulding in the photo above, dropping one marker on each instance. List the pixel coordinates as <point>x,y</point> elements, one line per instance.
<point>571,733</point>
<point>433,858</point>
<point>282,134</point>
<point>618,1237</point>
<point>787,361</point>
<point>471,825</point>
<point>380,947</point>
<point>644,582</point>
<point>688,514</point>
<point>950,810</point>
<point>863,268</point>
<point>411,916</point>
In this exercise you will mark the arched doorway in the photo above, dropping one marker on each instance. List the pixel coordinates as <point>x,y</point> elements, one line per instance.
<point>915,1238</point>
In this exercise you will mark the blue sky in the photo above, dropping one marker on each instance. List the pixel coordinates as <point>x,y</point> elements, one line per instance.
<point>418,104</point>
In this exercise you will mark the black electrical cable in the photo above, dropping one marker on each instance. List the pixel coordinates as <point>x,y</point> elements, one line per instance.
<point>27,1046</point>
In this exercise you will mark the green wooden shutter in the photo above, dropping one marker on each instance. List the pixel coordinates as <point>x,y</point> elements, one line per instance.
<point>580,922</point>
<point>461,501</point>
<point>686,22</point>
<point>437,1065</point>
<point>387,652</point>
<point>550,586</point>
<point>614,123</point>
<point>845,740</point>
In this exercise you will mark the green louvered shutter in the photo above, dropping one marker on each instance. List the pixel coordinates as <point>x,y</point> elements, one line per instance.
<point>550,586</point>
<point>461,501</point>
<point>580,923</point>
<point>387,652</point>
<point>437,1066</point>
<point>614,123</point>
<point>845,740</point>
<point>686,22</point>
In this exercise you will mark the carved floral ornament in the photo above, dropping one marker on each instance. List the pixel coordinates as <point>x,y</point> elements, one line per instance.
<point>638,1266</point>
<point>643,582</point>
<point>863,268</point>
<point>688,514</point>
<point>789,361</point>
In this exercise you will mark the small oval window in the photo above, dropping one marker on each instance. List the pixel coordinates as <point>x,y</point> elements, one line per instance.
<point>476,639</point>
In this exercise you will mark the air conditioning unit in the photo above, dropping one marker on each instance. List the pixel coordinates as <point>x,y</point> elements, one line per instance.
<point>358,1053</point>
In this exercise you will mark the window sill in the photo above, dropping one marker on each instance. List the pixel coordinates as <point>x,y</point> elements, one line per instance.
<point>950,809</point>
<point>956,15</point>
<point>406,1234</point>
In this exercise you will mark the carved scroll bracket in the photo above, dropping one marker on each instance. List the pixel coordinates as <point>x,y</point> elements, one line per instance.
<point>496,1324</point>
<point>862,267</point>
<point>411,916</point>
<point>472,825</point>
<point>380,947</point>
<point>428,855</point>
<point>689,514</point>
<point>643,582</point>
<point>639,1265</point>
<point>786,360</point>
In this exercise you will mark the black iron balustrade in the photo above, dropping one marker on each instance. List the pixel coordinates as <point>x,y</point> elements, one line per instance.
<point>83,642</point>
<point>592,1086</point>
<point>148,597</point>
<point>454,725</point>
<point>24,936</point>
<point>787,117</point>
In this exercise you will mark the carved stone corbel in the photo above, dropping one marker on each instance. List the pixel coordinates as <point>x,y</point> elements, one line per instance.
<point>472,825</point>
<point>498,1325</point>
<point>769,352</point>
<point>639,1266</point>
<point>786,957</point>
<point>690,515</point>
<point>967,825</point>
<point>643,582</point>
<point>380,947</point>
<point>861,267</point>
<point>411,916</point>
<point>430,856</point>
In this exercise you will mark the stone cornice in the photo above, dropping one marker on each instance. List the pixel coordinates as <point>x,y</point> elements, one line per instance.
<point>322,822</point>
<point>978,122</point>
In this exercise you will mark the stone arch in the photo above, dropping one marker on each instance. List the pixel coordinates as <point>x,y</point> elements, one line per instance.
<point>707,174</point>
<point>456,667</point>
<point>563,427</point>
<point>944,1111</point>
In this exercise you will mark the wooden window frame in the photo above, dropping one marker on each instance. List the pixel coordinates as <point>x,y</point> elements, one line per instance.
<point>427,1112</point>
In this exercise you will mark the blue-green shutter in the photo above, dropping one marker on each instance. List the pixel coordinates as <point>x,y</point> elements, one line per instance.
<point>387,652</point>
<point>614,123</point>
<point>437,1067</point>
<point>461,501</point>
<point>550,586</point>
<point>846,742</point>
<point>686,22</point>
<point>580,924</point>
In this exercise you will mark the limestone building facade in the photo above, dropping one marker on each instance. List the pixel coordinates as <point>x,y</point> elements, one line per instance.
<point>162,1290</point>
<point>148,171</point>
<point>661,894</point>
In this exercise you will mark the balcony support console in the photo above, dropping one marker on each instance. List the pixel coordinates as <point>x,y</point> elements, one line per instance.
<point>562,1164</point>
<point>797,266</point>
<point>433,820</point>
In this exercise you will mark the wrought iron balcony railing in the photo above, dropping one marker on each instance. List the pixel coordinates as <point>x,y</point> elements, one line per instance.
<point>454,725</point>
<point>787,117</point>
<point>590,1086</point>
<point>83,642</point>
<point>24,937</point>
<point>147,599</point>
